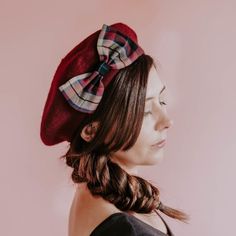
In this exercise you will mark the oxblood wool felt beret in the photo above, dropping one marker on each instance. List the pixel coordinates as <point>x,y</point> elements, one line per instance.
<point>63,110</point>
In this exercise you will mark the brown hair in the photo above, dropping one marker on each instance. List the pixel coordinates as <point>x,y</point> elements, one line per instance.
<point>120,114</point>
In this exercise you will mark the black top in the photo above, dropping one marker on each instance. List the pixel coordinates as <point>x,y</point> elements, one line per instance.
<point>123,224</point>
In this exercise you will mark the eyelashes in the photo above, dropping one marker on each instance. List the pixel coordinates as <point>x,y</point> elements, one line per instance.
<point>163,103</point>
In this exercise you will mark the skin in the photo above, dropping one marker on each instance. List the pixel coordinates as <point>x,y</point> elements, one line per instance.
<point>154,129</point>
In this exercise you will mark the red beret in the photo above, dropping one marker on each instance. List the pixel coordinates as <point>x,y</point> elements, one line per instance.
<point>59,119</point>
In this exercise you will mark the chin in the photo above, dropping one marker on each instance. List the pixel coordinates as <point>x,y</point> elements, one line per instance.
<point>155,158</point>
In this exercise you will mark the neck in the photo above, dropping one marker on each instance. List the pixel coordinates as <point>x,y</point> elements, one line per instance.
<point>130,169</point>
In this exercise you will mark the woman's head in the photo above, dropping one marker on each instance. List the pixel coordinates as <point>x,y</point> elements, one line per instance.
<point>134,108</point>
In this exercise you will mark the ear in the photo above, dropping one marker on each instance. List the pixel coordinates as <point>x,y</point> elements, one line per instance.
<point>88,132</point>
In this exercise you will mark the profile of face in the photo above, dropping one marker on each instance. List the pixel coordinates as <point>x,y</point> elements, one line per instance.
<point>154,128</point>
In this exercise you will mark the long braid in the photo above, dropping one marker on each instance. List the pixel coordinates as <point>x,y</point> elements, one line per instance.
<point>127,192</point>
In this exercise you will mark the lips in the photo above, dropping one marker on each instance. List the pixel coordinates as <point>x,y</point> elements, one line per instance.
<point>162,142</point>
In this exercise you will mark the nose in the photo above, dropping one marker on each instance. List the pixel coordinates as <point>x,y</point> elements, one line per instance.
<point>163,121</point>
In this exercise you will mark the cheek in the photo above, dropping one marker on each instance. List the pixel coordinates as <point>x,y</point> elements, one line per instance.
<point>141,150</point>
<point>144,141</point>
<point>147,133</point>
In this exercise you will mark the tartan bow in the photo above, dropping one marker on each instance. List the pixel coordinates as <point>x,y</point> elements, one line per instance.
<point>84,92</point>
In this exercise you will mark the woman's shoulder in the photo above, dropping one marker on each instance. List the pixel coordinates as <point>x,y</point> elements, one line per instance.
<point>121,223</point>
<point>114,224</point>
<point>94,216</point>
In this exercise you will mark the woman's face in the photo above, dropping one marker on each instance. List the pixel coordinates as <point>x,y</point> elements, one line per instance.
<point>154,129</point>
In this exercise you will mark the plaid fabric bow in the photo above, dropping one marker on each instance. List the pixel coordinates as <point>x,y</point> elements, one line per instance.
<point>116,51</point>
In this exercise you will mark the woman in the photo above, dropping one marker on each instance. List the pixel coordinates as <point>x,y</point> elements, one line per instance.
<point>106,101</point>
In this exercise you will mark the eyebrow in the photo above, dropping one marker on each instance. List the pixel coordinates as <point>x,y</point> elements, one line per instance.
<point>160,93</point>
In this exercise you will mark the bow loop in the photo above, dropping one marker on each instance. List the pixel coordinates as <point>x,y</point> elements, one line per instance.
<point>84,92</point>
<point>117,49</point>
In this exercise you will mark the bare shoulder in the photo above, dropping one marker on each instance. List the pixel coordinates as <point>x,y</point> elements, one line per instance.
<point>87,212</point>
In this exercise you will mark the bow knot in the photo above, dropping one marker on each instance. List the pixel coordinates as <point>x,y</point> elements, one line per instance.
<point>84,92</point>
<point>103,68</point>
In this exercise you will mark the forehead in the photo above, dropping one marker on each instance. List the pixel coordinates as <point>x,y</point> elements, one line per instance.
<point>154,82</point>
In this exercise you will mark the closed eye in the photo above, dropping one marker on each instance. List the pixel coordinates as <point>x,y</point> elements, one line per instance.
<point>149,112</point>
<point>163,103</point>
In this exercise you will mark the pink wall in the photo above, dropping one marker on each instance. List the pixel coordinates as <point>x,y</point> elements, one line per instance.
<point>195,43</point>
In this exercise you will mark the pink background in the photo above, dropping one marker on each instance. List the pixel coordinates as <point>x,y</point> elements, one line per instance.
<point>195,43</point>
